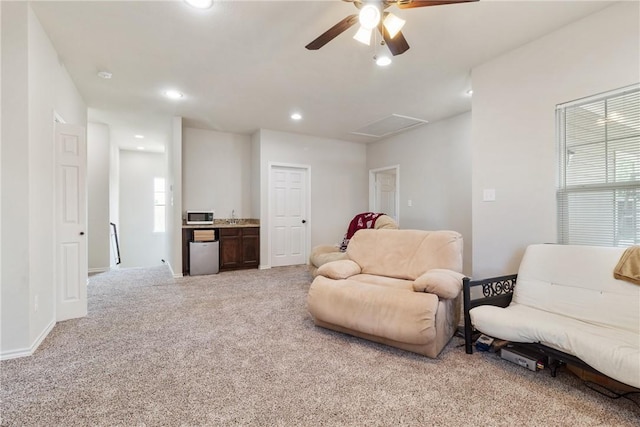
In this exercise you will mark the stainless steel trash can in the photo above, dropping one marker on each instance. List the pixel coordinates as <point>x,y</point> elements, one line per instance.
<point>204,258</point>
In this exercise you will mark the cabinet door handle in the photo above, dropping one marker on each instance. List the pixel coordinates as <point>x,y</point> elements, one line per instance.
<point>304,221</point>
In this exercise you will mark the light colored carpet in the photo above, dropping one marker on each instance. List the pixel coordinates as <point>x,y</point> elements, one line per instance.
<point>239,348</point>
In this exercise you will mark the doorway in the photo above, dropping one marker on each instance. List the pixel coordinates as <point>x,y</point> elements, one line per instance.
<point>288,214</point>
<point>142,208</point>
<point>384,187</point>
<point>70,220</point>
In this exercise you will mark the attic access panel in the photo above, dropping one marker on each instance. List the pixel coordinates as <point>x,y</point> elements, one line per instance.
<point>389,125</point>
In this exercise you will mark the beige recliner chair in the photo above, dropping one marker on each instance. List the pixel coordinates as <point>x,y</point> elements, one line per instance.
<point>323,254</point>
<point>397,287</point>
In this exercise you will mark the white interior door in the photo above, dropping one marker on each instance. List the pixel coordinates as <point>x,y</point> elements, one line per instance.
<point>386,193</point>
<point>288,217</point>
<point>71,221</point>
<point>384,187</point>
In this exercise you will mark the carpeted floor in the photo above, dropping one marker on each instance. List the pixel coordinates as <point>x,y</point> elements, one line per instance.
<point>239,348</point>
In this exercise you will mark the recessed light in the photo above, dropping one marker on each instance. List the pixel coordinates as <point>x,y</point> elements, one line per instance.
<point>138,136</point>
<point>382,61</point>
<point>296,116</point>
<point>199,4</point>
<point>140,148</point>
<point>470,92</point>
<point>173,94</point>
<point>105,75</point>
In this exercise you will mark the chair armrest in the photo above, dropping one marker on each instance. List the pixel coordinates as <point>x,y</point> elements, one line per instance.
<point>496,291</point>
<point>445,283</point>
<point>324,249</point>
<point>340,269</point>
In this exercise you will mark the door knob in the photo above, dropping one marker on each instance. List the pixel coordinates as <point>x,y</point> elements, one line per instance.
<point>304,221</point>
<point>82,233</point>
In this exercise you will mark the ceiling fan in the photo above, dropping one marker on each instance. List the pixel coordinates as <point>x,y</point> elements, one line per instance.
<point>373,14</point>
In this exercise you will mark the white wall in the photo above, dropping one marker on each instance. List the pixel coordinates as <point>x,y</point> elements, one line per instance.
<point>15,178</point>
<point>34,86</point>
<point>1,164</point>
<point>339,182</point>
<point>173,158</point>
<point>514,145</point>
<point>114,197</point>
<point>435,174</point>
<point>140,246</point>
<point>255,175</point>
<point>216,172</point>
<point>50,89</point>
<point>98,167</point>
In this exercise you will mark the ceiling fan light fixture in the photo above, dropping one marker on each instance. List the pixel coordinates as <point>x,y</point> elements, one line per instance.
<point>363,36</point>
<point>393,24</point>
<point>369,16</point>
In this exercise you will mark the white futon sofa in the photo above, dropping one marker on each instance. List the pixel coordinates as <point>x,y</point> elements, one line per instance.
<point>566,300</point>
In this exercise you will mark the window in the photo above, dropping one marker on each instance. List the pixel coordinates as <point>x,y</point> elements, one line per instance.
<point>599,159</point>
<point>159,202</point>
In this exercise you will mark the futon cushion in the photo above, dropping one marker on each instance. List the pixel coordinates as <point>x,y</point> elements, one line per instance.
<point>613,351</point>
<point>577,281</point>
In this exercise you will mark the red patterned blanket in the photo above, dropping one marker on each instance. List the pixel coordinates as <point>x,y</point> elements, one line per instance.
<point>360,221</point>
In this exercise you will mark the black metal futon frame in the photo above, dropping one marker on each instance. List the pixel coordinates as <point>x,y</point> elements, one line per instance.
<point>498,291</point>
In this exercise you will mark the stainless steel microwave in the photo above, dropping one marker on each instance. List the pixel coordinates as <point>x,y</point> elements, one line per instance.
<point>199,217</point>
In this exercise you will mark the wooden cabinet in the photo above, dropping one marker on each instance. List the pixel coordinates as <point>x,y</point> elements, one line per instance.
<point>250,247</point>
<point>230,248</point>
<point>239,248</point>
<point>187,236</point>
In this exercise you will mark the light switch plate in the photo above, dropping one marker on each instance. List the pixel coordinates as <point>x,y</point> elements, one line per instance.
<point>489,195</point>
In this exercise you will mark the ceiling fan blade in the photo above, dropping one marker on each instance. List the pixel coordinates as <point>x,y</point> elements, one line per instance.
<point>333,32</point>
<point>397,45</point>
<point>407,4</point>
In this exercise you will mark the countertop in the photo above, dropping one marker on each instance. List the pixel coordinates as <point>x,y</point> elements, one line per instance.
<point>225,223</point>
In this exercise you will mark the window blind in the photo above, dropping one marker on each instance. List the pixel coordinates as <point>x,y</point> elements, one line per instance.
<point>599,169</point>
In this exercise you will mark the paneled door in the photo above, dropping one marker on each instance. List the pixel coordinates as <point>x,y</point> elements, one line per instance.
<point>288,218</point>
<point>71,221</point>
<point>384,190</point>
<point>386,193</point>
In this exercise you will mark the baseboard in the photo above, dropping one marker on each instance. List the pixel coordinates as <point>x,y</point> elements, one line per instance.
<point>264,267</point>
<point>23,352</point>
<point>99,270</point>
<point>173,273</point>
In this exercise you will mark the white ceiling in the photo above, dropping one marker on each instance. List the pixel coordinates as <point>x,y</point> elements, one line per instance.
<point>242,65</point>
